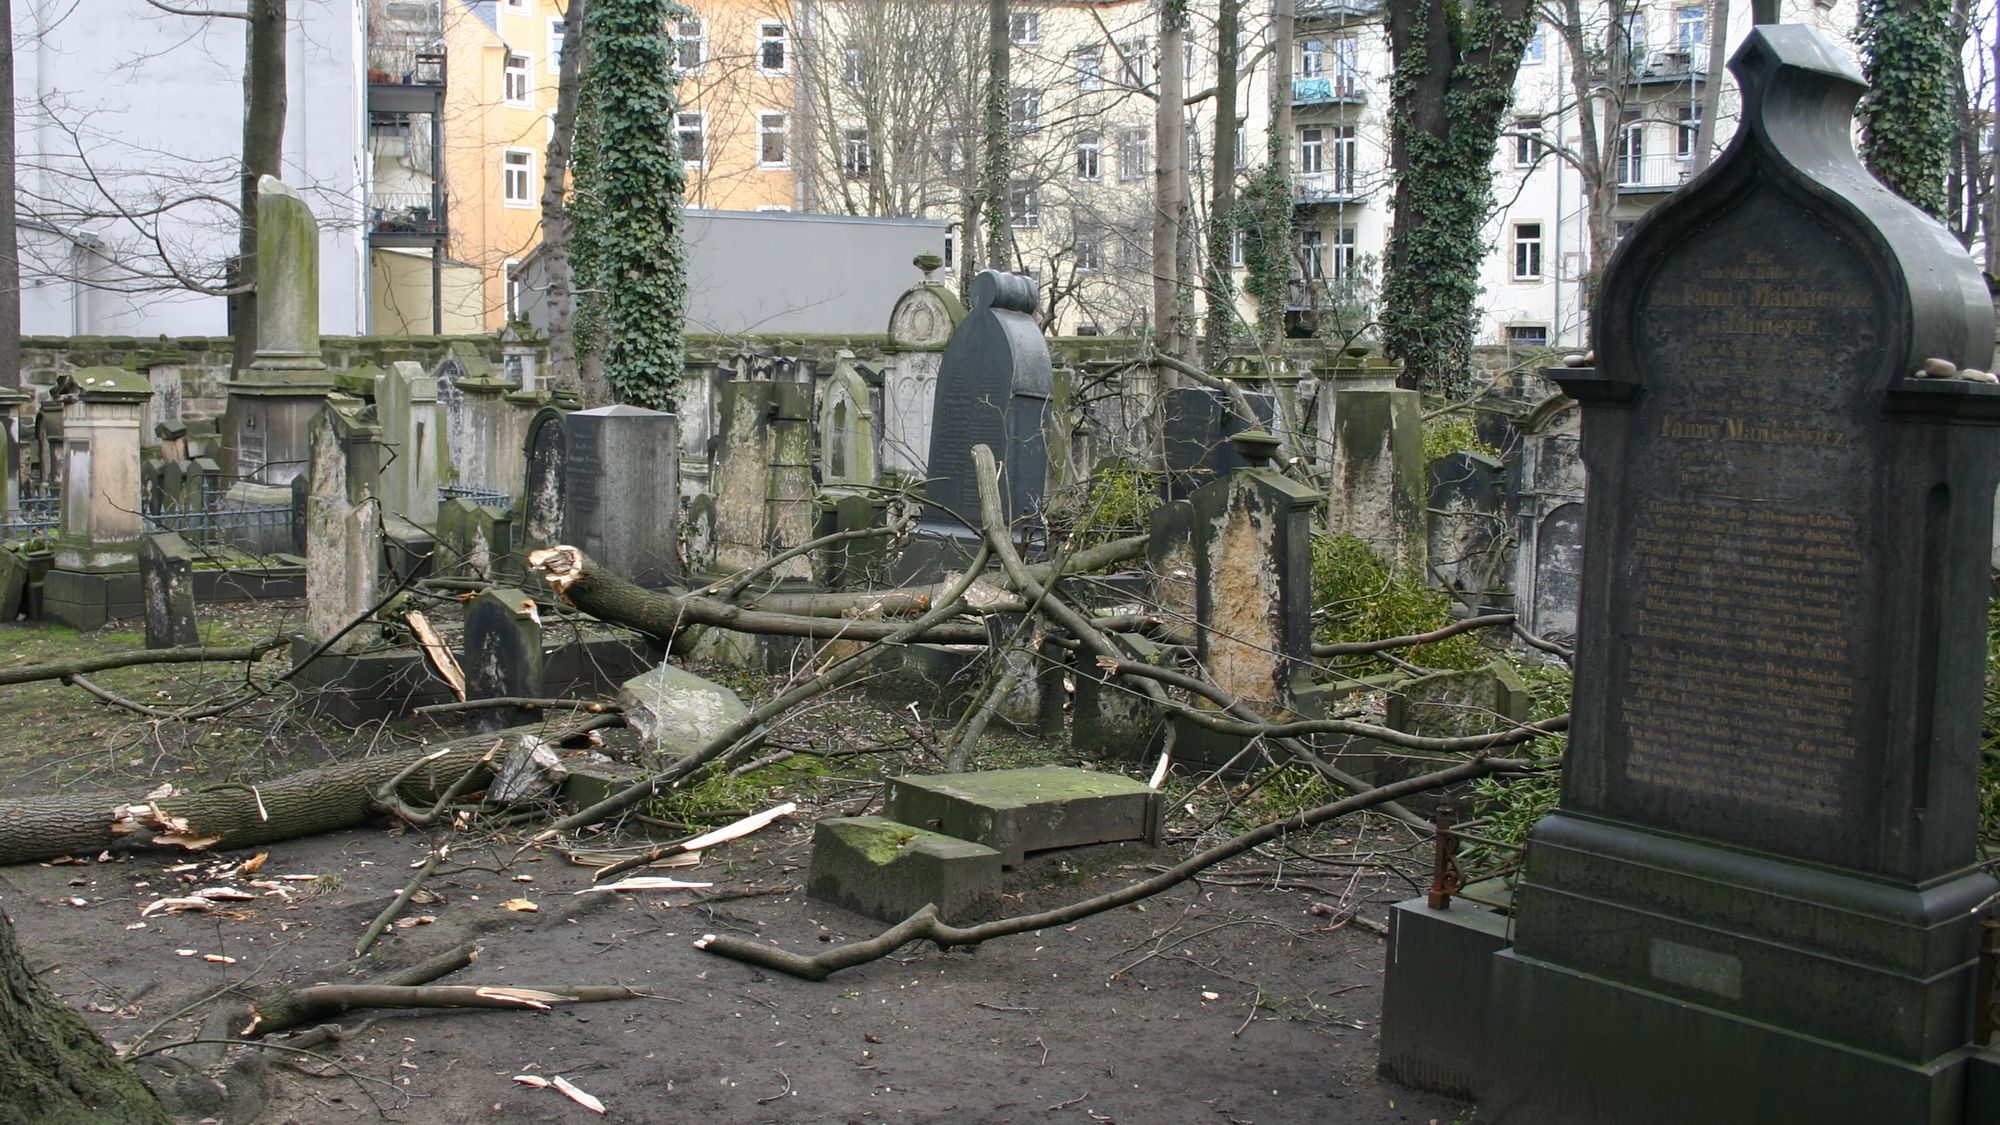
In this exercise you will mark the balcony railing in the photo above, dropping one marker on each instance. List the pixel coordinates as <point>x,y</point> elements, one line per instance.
<point>405,213</point>
<point>1667,67</point>
<point>1331,9</point>
<point>1325,187</point>
<point>1640,175</point>
<point>1338,90</point>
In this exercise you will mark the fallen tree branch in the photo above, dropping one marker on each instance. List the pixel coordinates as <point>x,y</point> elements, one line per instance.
<point>396,906</point>
<point>1360,648</point>
<point>84,665</point>
<point>924,924</point>
<point>319,1002</point>
<point>595,707</point>
<point>152,712</point>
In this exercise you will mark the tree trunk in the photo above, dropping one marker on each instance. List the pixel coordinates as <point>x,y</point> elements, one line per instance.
<point>263,155</point>
<point>1711,87</point>
<point>1169,173</point>
<point>561,291</point>
<point>995,186</point>
<point>53,1068</point>
<point>1217,281</point>
<point>10,258</point>
<point>236,815</point>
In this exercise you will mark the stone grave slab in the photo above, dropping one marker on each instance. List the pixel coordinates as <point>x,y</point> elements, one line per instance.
<point>889,870</point>
<point>166,574</point>
<point>1028,810</point>
<point>503,654</point>
<point>676,712</point>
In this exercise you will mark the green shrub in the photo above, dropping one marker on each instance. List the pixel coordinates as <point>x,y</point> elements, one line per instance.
<point>1510,808</point>
<point>1359,596</point>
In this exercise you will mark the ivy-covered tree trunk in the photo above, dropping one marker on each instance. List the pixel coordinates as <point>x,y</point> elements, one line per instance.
<point>1908,125</point>
<point>556,221</point>
<point>53,1068</point>
<point>1266,212</point>
<point>1217,284</point>
<point>994,185</point>
<point>628,253</point>
<point>1455,62</point>
<point>265,24</point>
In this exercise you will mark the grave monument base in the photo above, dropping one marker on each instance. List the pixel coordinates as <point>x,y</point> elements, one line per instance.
<point>87,600</point>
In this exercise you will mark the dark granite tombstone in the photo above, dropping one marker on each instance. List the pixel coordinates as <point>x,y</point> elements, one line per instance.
<point>166,581</point>
<point>993,389</point>
<point>1199,423</point>
<point>621,501</point>
<point>547,454</point>
<point>1756,903</point>
<point>503,654</point>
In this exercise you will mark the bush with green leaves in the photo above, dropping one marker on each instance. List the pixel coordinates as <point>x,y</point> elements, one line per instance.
<point>1449,433</point>
<point>1507,807</point>
<point>1360,596</point>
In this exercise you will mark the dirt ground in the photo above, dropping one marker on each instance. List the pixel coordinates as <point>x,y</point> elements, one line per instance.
<point>1252,996</point>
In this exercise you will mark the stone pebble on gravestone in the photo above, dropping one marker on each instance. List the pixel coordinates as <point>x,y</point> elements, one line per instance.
<point>166,580</point>
<point>677,712</point>
<point>993,389</point>
<point>1757,899</point>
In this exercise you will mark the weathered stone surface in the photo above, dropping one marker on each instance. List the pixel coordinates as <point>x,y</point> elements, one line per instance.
<point>343,526</point>
<point>621,498</point>
<point>1253,583</point>
<point>272,404</point>
<point>503,653</point>
<point>763,476</point>
<point>166,575</point>
<point>1378,490</point>
<point>1455,703</point>
<point>1470,543</point>
<point>1028,810</point>
<point>889,871</point>
<point>846,427</point>
<point>406,403</point>
<point>103,410</point>
<point>541,501</point>
<point>677,712</point>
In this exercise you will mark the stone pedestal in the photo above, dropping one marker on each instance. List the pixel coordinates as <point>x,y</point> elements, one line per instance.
<point>1378,490</point>
<point>272,405</point>
<point>620,494</point>
<point>343,522</point>
<point>406,403</point>
<point>763,477</point>
<point>96,555</point>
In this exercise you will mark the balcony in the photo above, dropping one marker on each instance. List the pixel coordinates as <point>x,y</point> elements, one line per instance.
<point>1328,91</point>
<point>1309,10</point>
<point>1650,174</point>
<point>1667,68</point>
<point>418,216</point>
<point>1325,187</point>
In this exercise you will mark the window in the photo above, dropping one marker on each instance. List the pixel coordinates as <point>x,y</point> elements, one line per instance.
<point>555,46</point>
<point>1527,141</point>
<point>1242,143</point>
<point>1528,335</point>
<point>772,45</point>
<point>1691,29</point>
<point>852,68</point>
<point>514,80</point>
<point>517,173</point>
<point>1527,251</point>
<point>1090,68</point>
<point>1023,210</point>
<point>1236,249</point>
<point>1024,27</point>
<point>691,127</point>
<point>690,45</point>
<point>1624,227</point>
<point>1533,53</point>
<point>773,140</point>
<point>1132,64</point>
<point>1132,162</point>
<point>1631,156</point>
<point>1024,110</point>
<point>1632,40</point>
<point>950,249</point>
<point>1089,245</point>
<point>1346,61</point>
<point>1343,253</point>
<point>517,5</point>
<point>1312,58</point>
<point>854,154</point>
<point>1345,153</point>
<point>1089,151</point>
<point>1688,133</point>
<point>1312,149</point>
<point>513,288</point>
<point>1312,255</point>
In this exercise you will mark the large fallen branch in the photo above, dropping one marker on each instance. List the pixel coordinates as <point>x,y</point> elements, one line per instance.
<point>236,815</point>
<point>925,924</point>
<point>324,1001</point>
<point>84,665</point>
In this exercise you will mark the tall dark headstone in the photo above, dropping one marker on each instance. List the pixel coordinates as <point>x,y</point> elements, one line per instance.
<point>621,495</point>
<point>993,389</point>
<point>1756,902</point>
<point>166,581</point>
<point>1199,423</point>
<point>503,654</point>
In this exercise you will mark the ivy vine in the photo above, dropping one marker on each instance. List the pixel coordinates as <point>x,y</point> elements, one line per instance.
<point>1444,187</point>
<point>628,254</point>
<point>1908,123</point>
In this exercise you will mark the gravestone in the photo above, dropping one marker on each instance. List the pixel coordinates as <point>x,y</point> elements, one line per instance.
<point>541,503</point>
<point>166,577</point>
<point>406,401</point>
<point>1253,584</point>
<point>1549,487</point>
<point>343,522</point>
<point>1756,901</point>
<point>273,402</point>
<point>503,655</point>
<point>1199,423</point>
<point>846,428</point>
<point>1377,465</point>
<point>920,326</point>
<point>993,389</point>
<point>621,501</point>
<point>1470,537</point>
<point>763,476</point>
<point>96,572</point>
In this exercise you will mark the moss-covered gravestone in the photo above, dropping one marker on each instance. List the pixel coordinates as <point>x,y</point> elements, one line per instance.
<point>1756,903</point>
